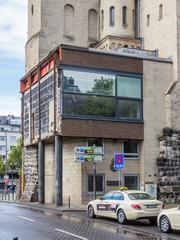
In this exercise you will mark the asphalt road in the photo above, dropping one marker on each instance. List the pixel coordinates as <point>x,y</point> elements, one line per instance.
<point>29,224</point>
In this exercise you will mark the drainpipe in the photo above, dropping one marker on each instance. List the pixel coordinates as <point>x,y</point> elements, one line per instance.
<point>137,18</point>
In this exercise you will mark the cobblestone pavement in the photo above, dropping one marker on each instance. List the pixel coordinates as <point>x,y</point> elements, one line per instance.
<point>28,224</point>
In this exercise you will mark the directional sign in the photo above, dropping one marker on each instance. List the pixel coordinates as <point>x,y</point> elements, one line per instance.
<point>88,158</point>
<point>118,161</point>
<point>88,150</point>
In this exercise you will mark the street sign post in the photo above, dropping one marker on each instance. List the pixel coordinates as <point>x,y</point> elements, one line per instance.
<point>89,150</point>
<point>119,164</point>
<point>89,154</point>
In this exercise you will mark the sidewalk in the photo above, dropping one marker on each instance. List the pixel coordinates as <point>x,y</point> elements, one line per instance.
<point>36,205</point>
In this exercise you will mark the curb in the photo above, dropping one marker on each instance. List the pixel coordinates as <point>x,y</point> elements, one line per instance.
<point>43,207</point>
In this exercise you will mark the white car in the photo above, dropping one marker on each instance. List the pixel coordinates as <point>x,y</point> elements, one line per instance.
<point>169,219</point>
<point>125,205</point>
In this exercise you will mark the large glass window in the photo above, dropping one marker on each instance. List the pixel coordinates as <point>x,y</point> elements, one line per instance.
<point>129,87</point>
<point>87,105</point>
<point>89,82</point>
<point>100,94</point>
<point>129,109</point>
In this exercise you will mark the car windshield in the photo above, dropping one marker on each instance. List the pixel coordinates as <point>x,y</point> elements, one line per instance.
<point>140,196</point>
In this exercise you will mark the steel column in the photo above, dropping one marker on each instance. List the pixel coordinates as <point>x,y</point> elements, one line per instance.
<point>41,171</point>
<point>58,171</point>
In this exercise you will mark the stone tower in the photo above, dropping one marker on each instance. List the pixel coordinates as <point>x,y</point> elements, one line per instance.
<point>51,23</point>
<point>118,24</point>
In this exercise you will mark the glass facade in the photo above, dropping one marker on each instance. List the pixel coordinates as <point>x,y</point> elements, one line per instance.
<point>101,94</point>
<point>128,87</point>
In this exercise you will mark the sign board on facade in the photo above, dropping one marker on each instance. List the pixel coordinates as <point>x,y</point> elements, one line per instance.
<point>88,158</point>
<point>88,150</point>
<point>118,161</point>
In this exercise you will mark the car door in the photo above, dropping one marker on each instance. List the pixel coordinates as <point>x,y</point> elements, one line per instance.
<point>116,200</point>
<point>103,204</point>
<point>176,219</point>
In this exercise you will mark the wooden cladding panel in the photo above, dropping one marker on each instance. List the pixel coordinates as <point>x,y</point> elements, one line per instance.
<point>101,129</point>
<point>102,61</point>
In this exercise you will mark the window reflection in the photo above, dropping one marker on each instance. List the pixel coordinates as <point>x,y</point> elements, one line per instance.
<point>102,94</point>
<point>129,109</point>
<point>89,82</point>
<point>84,105</point>
<point>128,87</point>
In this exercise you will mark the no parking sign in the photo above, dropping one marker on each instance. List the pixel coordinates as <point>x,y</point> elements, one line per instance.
<point>118,161</point>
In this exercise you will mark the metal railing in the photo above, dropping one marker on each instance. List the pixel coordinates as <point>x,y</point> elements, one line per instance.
<point>7,196</point>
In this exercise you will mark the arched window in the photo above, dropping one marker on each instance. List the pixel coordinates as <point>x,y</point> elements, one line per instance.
<point>102,19</point>
<point>124,16</point>
<point>112,16</point>
<point>92,24</point>
<point>68,19</point>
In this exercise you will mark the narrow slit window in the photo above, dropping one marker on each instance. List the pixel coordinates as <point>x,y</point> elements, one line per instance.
<point>112,16</point>
<point>124,16</point>
<point>148,20</point>
<point>32,9</point>
<point>102,19</point>
<point>160,12</point>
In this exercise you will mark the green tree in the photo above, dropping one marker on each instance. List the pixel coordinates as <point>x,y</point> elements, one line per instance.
<point>2,167</point>
<point>15,157</point>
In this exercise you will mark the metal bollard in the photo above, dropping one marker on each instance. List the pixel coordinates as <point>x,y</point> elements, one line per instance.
<point>16,238</point>
<point>69,202</point>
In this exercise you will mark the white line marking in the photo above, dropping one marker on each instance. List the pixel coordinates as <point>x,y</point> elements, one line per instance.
<point>28,219</point>
<point>59,230</point>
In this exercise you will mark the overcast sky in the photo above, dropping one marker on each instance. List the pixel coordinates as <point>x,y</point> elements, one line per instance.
<point>13,33</point>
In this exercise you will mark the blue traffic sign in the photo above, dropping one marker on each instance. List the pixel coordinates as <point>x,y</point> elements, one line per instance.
<point>118,161</point>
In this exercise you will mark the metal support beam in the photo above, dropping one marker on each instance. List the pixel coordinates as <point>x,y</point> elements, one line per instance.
<point>58,171</point>
<point>137,18</point>
<point>41,171</point>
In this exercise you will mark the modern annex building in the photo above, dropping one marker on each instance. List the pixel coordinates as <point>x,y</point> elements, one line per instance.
<point>98,88</point>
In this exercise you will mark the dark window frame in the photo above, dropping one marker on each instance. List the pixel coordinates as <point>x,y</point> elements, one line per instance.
<point>117,98</point>
<point>129,155</point>
<point>103,183</point>
<point>132,175</point>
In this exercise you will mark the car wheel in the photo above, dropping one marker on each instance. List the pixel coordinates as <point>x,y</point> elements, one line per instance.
<point>90,212</point>
<point>153,221</point>
<point>164,224</point>
<point>121,216</point>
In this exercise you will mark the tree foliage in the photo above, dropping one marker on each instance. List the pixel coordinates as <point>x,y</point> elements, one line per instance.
<point>15,157</point>
<point>2,167</point>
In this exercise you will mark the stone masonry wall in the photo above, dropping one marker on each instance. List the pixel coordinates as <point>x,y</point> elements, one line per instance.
<point>168,164</point>
<point>30,173</point>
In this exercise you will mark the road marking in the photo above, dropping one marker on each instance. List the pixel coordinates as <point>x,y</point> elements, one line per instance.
<point>28,219</point>
<point>77,236</point>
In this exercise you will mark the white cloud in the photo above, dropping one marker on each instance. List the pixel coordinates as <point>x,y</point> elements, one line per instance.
<point>13,28</point>
<point>10,105</point>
